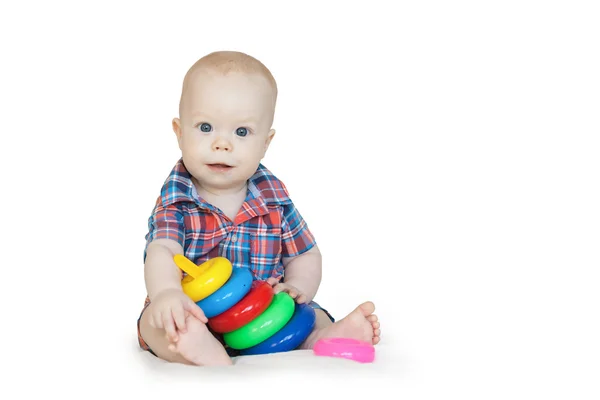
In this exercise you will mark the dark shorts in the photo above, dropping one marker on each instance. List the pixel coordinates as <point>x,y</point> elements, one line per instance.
<point>230,351</point>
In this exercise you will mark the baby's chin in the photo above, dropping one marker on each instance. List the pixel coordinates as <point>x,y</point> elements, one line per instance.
<point>221,182</point>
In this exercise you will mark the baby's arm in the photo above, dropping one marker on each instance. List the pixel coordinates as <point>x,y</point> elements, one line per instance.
<point>303,272</point>
<point>163,284</point>
<point>160,271</point>
<point>300,256</point>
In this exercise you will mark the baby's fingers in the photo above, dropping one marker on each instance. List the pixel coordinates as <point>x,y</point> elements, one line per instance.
<point>297,295</point>
<point>272,281</point>
<point>196,311</point>
<point>179,318</point>
<point>169,325</point>
<point>282,287</point>
<point>301,299</point>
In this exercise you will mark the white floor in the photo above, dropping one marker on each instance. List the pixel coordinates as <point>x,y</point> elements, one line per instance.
<point>395,374</point>
<point>296,374</point>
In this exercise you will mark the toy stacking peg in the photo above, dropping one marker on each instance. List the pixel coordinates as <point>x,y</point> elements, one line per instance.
<point>253,304</point>
<point>203,280</point>
<point>290,336</point>
<point>275,317</point>
<point>237,286</point>
<point>251,317</point>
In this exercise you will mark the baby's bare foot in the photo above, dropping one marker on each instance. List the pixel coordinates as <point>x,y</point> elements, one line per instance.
<point>199,346</point>
<point>360,324</point>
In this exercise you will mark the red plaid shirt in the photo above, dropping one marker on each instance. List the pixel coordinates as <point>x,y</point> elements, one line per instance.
<point>267,227</point>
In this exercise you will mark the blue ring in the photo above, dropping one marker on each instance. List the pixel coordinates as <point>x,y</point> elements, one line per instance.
<point>236,287</point>
<point>290,336</point>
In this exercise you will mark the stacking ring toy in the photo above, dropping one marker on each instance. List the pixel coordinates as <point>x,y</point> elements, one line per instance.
<point>274,318</point>
<point>226,296</point>
<point>249,307</point>
<point>290,336</point>
<point>351,349</point>
<point>204,279</point>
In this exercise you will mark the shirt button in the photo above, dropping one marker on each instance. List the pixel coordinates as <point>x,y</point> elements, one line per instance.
<point>234,239</point>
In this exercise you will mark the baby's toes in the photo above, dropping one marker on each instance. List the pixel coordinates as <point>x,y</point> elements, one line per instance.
<point>372,318</point>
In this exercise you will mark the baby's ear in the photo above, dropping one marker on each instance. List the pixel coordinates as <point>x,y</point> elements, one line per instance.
<point>177,129</point>
<point>269,138</point>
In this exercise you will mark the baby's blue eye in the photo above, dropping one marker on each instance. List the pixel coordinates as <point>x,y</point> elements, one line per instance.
<point>241,131</point>
<point>205,127</point>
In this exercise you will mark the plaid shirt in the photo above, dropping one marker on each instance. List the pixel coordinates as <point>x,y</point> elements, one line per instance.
<point>267,227</point>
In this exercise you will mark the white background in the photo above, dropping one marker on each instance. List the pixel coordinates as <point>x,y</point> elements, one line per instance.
<point>445,154</point>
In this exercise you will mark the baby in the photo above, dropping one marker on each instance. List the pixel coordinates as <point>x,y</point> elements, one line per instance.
<point>220,200</point>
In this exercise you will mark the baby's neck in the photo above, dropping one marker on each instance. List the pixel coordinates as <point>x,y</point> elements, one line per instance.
<point>229,201</point>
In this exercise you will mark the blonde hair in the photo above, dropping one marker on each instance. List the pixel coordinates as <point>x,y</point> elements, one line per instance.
<point>226,62</point>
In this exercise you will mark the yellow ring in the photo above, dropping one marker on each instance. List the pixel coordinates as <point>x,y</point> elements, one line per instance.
<point>207,279</point>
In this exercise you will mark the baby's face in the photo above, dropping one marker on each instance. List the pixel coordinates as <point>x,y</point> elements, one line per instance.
<point>224,128</point>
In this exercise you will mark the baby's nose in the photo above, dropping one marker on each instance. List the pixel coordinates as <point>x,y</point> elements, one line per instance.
<point>221,145</point>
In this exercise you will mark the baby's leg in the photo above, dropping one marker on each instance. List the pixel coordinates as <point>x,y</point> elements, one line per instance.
<point>197,346</point>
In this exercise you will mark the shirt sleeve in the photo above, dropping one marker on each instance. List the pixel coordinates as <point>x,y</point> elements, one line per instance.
<point>296,237</point>
<point>166,223</point>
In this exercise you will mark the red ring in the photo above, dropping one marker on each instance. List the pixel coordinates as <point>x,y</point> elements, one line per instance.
<point>249,307</point>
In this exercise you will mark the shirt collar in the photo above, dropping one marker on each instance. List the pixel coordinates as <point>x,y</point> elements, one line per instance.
<point>264,188</point>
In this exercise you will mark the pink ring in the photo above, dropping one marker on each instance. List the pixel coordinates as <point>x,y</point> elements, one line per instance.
<point>351,349</point>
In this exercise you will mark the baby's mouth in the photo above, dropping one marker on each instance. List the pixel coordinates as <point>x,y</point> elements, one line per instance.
<point>219,167</point>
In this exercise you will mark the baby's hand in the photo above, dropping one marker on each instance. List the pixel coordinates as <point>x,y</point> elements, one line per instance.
<point>289,289</point>
<point>169,310</point>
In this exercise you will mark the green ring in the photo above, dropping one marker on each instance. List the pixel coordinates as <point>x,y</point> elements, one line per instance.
<point>275,317</point>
